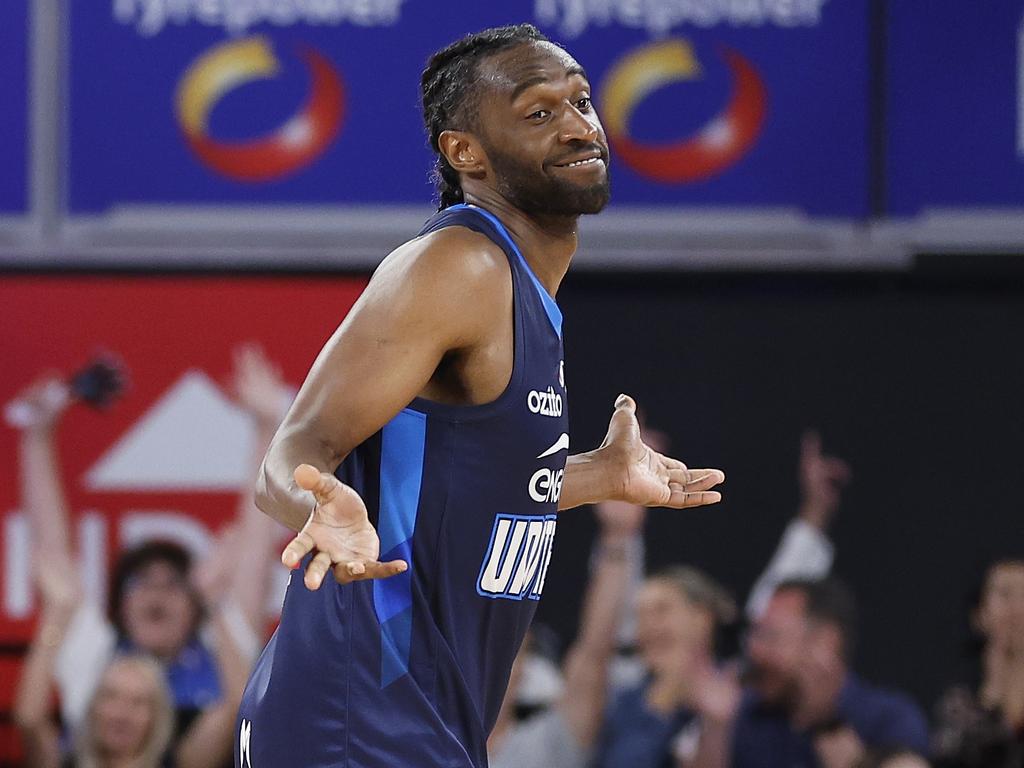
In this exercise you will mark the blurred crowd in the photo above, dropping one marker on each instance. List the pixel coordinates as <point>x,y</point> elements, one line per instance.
<point>153,677</point>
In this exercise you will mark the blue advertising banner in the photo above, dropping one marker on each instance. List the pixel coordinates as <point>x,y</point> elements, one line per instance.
<point>956,105</point>
<point>719,103</point>
<point>13,107</point>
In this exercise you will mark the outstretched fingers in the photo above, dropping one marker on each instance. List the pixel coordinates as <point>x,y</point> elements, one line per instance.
<point>680,499</point>
<point>317,569</point>
<point>362,570</point>
<point>702,479</point>
<point>694,479</point>
<point>692,487</point>
<point>297,548</point>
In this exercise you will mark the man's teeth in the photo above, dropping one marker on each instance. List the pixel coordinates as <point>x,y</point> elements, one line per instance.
<point>583,162</point>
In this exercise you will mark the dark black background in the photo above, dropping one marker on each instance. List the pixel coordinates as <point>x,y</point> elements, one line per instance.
<point>916,380</point>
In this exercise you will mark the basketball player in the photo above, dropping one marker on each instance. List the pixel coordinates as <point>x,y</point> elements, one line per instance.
<point>426,454</point>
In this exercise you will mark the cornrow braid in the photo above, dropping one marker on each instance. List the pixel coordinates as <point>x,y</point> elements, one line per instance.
<point>448,88</point>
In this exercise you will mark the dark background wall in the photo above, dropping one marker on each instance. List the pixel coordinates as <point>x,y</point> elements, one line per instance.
<point>917,382</point>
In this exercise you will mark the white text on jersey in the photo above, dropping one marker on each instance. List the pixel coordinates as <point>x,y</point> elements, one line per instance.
<point>516,562</point>
<point>545,403</point>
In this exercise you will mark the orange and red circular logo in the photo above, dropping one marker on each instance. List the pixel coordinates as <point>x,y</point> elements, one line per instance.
<point>293,145</point>
<point>723,140</point>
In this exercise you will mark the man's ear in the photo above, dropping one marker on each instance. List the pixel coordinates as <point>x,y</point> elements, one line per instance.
<point>463,152</point>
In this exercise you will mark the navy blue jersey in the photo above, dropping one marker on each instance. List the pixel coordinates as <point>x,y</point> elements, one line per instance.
<point>410,671</point>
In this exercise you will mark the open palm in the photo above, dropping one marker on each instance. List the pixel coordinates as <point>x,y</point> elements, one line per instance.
<point>649,478</point>
<point>339,532</point>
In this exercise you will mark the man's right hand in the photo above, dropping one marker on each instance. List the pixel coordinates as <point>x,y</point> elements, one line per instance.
<point>338,531</point>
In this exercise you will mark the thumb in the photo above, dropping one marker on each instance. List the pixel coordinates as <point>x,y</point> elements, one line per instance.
<point>623,421</point>
<point>321,484</point>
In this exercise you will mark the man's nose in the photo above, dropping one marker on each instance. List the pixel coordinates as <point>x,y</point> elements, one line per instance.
<point>576,126</point>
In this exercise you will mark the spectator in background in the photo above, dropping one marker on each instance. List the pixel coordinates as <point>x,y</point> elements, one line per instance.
<point>805,551</point>
<point>986,730</point>
<point>678,613</point>
<point>158,600</point>
<point>564,735</point>
<point>130,718</point>
<point>805,707</point>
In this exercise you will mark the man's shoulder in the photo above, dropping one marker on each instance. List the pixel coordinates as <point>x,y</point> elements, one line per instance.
<point>881,700</point>
<point>453,250</point>
<point>884,716</point>
<point>439,272</point>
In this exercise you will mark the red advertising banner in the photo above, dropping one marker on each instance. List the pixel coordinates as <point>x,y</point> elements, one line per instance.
<point>170,457</point>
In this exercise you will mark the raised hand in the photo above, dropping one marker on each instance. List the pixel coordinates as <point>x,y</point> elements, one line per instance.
<point>644,476</point>
<point>718,692</point>
<point>822,479</point>
<point>39,406</point>
<point>339,532</point>
<point>257,384</point>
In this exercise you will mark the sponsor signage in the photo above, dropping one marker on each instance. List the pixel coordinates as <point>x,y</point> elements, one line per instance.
<point>955,105</point>
<point>724,103</point>
<point>171,456</point>
<point>14,110</point>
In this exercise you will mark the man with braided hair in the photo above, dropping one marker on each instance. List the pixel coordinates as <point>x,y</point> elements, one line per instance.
<point>426,455</point>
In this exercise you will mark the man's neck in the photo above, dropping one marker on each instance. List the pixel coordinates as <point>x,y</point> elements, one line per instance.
<point>547,243</point>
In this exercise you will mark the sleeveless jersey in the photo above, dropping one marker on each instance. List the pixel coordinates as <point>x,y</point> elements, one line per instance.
<point>410,671</point>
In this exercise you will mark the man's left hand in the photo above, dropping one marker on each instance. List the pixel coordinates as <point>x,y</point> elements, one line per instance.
<point>643,476</point>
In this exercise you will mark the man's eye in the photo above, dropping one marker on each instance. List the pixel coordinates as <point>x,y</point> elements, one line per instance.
<point>540,114</point>
<point>583,105</point>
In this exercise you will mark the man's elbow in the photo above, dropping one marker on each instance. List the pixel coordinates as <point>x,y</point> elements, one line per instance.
<point>263,495</point>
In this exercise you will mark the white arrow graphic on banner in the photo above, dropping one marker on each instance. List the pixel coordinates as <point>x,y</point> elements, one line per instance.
<point>193,438</point>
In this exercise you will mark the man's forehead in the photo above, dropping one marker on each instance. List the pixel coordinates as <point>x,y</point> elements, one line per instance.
<point>538,60</point>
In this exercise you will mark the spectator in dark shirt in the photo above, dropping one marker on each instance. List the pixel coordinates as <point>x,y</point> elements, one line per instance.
<point>678,611</point>
<point>805,707</point>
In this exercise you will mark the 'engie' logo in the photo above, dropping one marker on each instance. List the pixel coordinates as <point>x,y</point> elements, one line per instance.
<point>517,559</point>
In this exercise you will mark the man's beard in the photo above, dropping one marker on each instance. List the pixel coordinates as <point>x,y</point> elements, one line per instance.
<point>543,195</point>
<point>778,691</point>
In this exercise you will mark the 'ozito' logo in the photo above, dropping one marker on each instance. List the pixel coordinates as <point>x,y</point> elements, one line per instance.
<point>517,558</point>
<point>545,403</point>
<point>293,146</point>
<point>719,144</point>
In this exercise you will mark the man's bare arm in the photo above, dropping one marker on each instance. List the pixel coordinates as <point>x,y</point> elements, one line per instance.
<point>433,296</point>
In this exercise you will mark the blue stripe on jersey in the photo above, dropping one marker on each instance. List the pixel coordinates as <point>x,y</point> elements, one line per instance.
<point>550,307</point>
<point>403,442</point>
